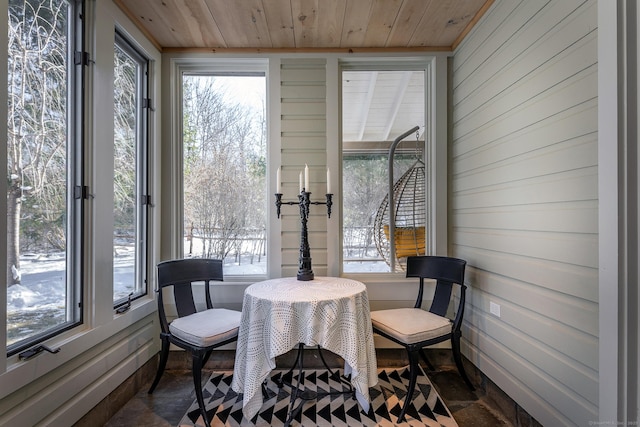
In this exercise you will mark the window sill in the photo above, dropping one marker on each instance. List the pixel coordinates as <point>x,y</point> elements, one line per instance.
<point>73,344</point>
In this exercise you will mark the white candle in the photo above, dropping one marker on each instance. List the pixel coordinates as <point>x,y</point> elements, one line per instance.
<point>328,182</point>
<point>301,182</point>
<point>278,180</point>
<point>306,178</point>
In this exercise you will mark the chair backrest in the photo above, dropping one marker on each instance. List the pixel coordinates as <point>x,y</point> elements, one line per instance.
<point>446,271</point>
<point>181,274</point>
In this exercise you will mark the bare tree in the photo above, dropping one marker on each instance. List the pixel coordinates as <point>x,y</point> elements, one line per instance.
<point>125,127</point>
<point>36,131</point>
<point>223,174</point>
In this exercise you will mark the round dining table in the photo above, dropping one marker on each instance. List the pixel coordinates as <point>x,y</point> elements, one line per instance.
<point>279,314</point>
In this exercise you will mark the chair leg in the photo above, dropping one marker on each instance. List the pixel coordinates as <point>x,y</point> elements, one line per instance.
<point>457,357</point>
<point>206,357</point>
<point>426,361</point>
<point>197,383</point>
<point>164,356</point>
<point>413,375</point>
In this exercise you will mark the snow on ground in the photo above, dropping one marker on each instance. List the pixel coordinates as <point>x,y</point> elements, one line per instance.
<point>42,283</point>
<point>43,278</point>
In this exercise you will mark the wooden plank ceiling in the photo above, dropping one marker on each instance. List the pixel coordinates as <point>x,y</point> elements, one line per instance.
<point>305,24</point>
<point>377,106</point>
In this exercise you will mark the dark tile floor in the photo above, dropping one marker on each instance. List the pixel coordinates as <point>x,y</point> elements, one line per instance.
<point>166,406</point>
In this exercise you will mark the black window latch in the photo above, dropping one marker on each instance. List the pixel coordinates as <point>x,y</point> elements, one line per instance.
<point>126,307</point>
<point>34,351</point>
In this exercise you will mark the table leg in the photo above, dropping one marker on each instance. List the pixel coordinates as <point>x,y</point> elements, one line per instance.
<point>334,374</point>
<point>295,391</point>
<point>341,378</point>
<point>306,394</point>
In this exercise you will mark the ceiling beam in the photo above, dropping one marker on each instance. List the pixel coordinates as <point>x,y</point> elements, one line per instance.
<point>366,105</point>
<point>403,84</point>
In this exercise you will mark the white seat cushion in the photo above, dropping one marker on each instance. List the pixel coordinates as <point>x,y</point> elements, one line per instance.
<point>410,325</point>
<point>207,327</point>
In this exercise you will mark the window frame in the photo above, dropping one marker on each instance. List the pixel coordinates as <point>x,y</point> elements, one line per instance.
<point>76,190</point>
<point>143,198</point>
<point>434,149</point>
<point>101,325</point>
<point>201,66</point>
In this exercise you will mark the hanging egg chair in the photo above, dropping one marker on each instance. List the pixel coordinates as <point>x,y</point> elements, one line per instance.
<point>401,219</point>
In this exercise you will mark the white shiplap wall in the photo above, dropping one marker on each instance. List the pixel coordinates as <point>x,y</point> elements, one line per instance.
<point>524,202</point>
<point>303,142</point>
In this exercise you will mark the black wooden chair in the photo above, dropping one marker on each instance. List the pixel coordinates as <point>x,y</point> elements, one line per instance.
<point>199,328</point>
<point>415,328</point>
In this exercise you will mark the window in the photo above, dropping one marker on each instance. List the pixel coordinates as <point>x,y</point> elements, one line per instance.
<point>130,172</point>
<point>378,107</point>
<point>43,213</point>
<point>224,170</point>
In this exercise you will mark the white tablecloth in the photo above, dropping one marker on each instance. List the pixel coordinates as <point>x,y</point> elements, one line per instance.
<point>279,314</point>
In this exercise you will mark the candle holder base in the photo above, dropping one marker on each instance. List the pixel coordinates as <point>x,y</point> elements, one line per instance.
<point>305,272</point>
<point>305,276</point>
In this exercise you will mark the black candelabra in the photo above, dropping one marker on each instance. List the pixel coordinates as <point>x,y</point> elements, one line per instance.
<point>305,272</point>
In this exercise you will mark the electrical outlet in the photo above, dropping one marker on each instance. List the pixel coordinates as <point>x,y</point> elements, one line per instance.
<point>494,308</point>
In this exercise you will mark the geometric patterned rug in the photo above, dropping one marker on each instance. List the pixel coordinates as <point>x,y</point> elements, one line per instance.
<point>224,406</point>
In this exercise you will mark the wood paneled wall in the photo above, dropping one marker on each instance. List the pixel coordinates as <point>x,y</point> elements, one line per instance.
<point>303,141</point>
<point>524,202</point>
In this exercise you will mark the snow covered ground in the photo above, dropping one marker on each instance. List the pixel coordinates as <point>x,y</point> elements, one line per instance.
<point>38,303</point>
<point>42,285</point>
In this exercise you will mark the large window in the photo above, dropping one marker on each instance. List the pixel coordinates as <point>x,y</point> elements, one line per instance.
<point>377,108</point>
<point>224,170</point>
<point>44,195</point>
<point>131,198</point>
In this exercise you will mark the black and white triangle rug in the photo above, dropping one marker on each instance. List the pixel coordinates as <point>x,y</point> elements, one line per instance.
<point>224,406</point>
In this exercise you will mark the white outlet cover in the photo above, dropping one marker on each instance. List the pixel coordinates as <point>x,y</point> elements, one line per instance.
<point>494,308</point>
